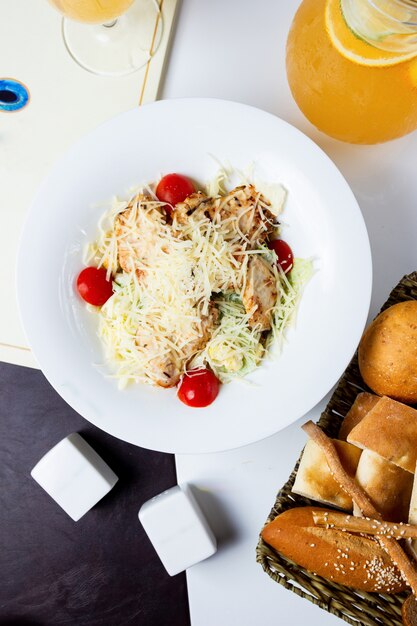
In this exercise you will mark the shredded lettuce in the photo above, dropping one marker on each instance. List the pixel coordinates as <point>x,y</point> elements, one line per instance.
<point>290,289</point>
<point>119,320</point>
<point>235,349</point>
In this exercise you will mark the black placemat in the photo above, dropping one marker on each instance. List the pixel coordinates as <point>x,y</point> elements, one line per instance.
<point>99,571</point>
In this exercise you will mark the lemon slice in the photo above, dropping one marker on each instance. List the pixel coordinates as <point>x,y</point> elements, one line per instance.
<point>352,47</point>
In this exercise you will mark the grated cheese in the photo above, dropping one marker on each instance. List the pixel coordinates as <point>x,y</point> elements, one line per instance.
<point>163,306</point>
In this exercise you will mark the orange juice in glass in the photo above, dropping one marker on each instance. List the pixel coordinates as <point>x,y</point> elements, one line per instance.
<point>92,11</point>
<point>110,37</point>
<point>352,67</point>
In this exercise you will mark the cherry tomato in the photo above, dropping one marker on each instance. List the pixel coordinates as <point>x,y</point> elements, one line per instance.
<point>198,387</point>
<point>284,254</point>
<point>173,188</point>
<point>93,285</point>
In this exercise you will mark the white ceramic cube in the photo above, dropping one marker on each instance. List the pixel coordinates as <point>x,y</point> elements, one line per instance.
<point>177,529</point>
<point>74,475</point>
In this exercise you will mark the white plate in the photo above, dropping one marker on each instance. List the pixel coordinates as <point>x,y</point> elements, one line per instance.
<point>324,221</point>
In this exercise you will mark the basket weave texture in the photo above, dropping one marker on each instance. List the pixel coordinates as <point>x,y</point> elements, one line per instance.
<point>354,607</point>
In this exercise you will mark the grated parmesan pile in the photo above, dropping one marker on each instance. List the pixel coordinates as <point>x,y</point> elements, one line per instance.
<point>187,268</point>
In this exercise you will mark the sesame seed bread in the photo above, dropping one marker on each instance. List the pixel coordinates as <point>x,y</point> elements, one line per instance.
<point>388,486</point>
<point>314,479</point>
<point>339,556</point>
<point>390,429</point>
<point>364,402</point>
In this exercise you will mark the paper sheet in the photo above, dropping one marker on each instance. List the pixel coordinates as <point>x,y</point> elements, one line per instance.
<point>65,102</point>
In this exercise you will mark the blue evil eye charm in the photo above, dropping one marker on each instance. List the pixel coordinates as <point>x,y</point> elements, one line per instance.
<point>13,95</point>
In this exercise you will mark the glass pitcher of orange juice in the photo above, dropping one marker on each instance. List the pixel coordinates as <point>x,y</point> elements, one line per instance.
<point>352,67</point>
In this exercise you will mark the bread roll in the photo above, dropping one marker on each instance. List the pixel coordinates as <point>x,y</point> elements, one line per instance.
<point>314,479</point>
<point>341,557</point>
<point>390,429</point>
<point>409,611</point>
<point>388,353</point>
<point>364,402</point>
<point>387,485</point>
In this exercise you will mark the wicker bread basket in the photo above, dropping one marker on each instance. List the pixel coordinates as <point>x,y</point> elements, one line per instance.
<point>351,606</point>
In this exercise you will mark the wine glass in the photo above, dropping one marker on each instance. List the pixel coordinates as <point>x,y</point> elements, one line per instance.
<point>111,37</point>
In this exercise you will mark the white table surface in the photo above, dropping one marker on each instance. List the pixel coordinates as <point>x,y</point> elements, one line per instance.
<point>234,49</point>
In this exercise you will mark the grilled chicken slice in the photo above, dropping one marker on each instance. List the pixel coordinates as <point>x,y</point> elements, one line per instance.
<point>196,204</point>
<point>164,370</point>
<point>207,325</point>
<point>243,209</point>
<point>247,212</point>
<point>165,367</point>
<point>260,292</point>
<point>136,232</point>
